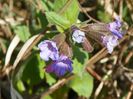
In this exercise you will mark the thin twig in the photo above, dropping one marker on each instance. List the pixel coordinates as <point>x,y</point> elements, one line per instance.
<point>130,92</point>
<point>88,9</point>
<point>121,9</point>
<point>93,73</point>
<point>129,57</point>
<point>103,52</point>
<point>85,12</point>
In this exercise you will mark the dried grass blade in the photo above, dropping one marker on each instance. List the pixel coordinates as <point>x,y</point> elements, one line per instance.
<point>10,50</point>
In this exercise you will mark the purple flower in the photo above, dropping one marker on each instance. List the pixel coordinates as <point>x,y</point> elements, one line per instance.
<point>110,41</point>
<point>114,27</point>
<point>60,66</point>
<point>78,36</point>
<point>48,50</point>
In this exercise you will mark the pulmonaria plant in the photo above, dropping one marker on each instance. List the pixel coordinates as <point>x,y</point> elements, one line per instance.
<point>107,34</point>
<point>61,64</point>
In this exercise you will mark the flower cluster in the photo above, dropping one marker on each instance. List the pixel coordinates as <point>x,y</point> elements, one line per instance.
<point>109,40</point>
<point>61,63</point>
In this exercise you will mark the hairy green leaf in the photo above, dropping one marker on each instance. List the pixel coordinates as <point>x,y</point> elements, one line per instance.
<point>57,19</point>
<point>83,84</point>
<point>23,32</point>
<point>49,79</point>
<point>33,72</point>
<point>80,57</point>
<point>67,8</point>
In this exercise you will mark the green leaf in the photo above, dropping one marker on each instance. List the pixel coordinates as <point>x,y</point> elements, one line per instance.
<point>82,82</point>
<point>42,19</point>
<point>20,86</point>
<point>44,5</point>
<point>79,60</point>
<point>49,79</point>
<point>83,85</point>
<point>34,72</point>
<point>67,8</point>
<point>22,31</point>
<point>58,20</point>
<point>59,4</point>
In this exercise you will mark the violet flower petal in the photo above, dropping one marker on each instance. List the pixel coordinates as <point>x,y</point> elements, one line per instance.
<point>61,66</point>
<point>114,27</point>
<point>110,42</point>
<point>48,50</point>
